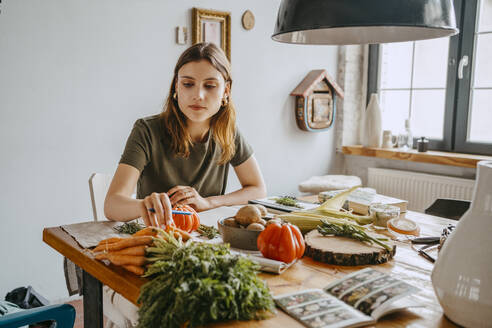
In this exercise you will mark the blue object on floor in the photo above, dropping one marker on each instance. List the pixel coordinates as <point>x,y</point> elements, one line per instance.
<point>63,314</point>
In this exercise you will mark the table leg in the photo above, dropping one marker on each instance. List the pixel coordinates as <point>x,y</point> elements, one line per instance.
<point>93,301</point>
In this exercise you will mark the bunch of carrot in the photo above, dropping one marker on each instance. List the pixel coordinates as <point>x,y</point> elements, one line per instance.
<point>130,252</point>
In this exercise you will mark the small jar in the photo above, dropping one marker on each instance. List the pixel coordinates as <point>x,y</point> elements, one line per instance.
<point>422,144</point>
<point>382,213</point>
<point>388,139</point>
<point>403,227</point>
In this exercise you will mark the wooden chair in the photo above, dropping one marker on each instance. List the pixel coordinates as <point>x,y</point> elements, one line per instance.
<point>98,187</point>
<point>448,208</point>
<point>114,308</point>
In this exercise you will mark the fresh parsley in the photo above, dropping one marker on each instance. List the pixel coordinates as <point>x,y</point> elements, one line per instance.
<point>198,283</point>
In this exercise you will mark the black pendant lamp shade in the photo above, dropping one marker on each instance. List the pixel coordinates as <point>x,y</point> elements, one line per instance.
<point>363,21</point>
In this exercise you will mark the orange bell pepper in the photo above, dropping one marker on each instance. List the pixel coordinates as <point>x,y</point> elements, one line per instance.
<point>281,242</point>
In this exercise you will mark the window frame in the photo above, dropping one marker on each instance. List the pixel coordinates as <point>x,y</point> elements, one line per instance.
<point>458,91</point>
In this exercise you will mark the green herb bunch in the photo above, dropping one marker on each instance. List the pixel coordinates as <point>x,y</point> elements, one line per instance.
<point>129,228</point>
<point>197,283</point>
<point>350,231</point>
<point>287,201</point>
<point>208,231</point>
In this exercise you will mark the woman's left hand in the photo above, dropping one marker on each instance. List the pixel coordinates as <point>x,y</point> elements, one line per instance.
<point>186,195</point>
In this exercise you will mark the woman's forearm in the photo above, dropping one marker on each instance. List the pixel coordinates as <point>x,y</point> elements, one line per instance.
<point>122,208</point>
<point>253,185</point>
<point>238,197</point>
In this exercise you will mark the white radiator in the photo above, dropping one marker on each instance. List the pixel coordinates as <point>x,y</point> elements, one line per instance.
<point>419,189</point>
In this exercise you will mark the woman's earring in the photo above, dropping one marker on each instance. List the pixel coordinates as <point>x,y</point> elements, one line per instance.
<point>175,97</point>
<point>225,101</point>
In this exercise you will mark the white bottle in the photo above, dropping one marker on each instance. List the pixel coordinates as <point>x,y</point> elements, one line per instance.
<point>405,138</point>
<point>409,134</point>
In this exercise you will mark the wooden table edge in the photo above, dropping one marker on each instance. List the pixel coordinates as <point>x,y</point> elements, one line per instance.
<point>121,281</point>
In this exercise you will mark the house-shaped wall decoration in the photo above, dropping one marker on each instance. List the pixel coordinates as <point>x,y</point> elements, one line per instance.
<point>316,99</point>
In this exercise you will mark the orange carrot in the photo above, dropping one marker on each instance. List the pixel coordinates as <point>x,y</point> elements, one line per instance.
<point>101,247</point>
<point>178,232</point>
<point>127,259</point>
<point>149,231</point>
<point>118,259</point>
<point>135,250</point>
<point>110,240</point>
<point>101,256</point>
<point>125,243</point>
<point>104,243</point>
<point>138,270</point>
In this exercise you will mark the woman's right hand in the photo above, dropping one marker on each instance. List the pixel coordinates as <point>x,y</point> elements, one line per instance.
<point>156,210</point>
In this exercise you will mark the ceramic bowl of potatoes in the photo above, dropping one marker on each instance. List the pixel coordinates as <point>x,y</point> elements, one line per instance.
<point>242,230</point>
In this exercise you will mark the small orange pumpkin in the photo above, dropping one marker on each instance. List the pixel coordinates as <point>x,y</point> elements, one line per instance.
<point>184,222</point>
<point>281,242</point>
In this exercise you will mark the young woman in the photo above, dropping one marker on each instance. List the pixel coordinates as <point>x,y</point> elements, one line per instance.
<point>183,155</point>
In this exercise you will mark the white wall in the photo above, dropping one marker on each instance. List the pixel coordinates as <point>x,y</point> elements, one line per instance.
<point>75,75</point>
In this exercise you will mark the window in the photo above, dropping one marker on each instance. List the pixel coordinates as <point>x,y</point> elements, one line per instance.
<point>444,86</point>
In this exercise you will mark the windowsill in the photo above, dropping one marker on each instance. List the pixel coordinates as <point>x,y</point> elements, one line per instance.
<point>433,157</point>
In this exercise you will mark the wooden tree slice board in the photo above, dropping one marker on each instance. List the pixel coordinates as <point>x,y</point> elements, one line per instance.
<point>345,251</point>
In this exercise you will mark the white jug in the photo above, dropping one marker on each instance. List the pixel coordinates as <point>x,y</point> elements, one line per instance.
<point>462,275</point>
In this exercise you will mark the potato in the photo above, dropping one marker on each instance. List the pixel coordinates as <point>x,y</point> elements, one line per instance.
<point>248,214</point>
<point>273,221</point>
<point>231,222</point>
<point>256,227</point>
<point>262,222</point>
<point>263,210</point>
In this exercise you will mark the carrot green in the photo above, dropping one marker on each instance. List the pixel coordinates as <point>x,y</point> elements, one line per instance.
<point>195,283</point>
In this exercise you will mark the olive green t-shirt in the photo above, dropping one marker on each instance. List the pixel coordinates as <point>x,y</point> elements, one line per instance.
<point>148,149</point>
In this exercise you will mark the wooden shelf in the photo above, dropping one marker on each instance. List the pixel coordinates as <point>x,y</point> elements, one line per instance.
<point>433,157</point>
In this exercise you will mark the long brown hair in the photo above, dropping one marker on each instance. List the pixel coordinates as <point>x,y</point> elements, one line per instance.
<point>222,124</point>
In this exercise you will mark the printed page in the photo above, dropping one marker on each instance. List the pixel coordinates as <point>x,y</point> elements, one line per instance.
<point>314,308</point>
<point>396,304</point>
<point>370,291</point>
<point>351,281</point>
<point>379,302</point>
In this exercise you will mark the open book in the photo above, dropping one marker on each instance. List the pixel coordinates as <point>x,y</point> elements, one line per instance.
<point>358,299</point>
<point>360,200</point>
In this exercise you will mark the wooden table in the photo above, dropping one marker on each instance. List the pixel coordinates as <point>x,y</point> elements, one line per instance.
<point>306,273</point>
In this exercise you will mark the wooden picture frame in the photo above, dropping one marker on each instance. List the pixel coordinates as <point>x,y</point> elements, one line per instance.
<point>212,26</point>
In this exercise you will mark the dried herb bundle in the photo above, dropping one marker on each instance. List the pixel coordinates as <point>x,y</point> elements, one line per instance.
<point>349,231</point>
<point>208,231</point>
<point>287,201</point>
<point>197,283</point>
<point>129,227</point>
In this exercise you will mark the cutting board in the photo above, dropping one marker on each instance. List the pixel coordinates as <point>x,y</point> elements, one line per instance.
<point>346,251</point>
